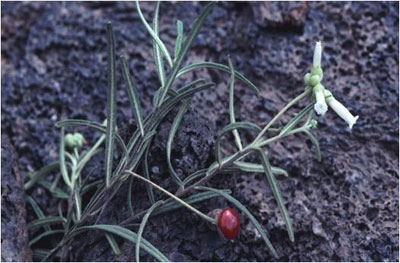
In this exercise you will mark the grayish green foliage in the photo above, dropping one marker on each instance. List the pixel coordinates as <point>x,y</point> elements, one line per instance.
<point>277,193</point>
<point>111,103</point>
<point>133,95</point>
<point>136,152</point>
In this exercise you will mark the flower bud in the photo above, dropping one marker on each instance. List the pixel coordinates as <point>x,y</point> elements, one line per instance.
<point>74,140</point>
<point>314,80</point>
<point>313,124</point>
<point>78,140</point>
<point>317,71</point>
<point>69,140</point>
<point>307,79</point>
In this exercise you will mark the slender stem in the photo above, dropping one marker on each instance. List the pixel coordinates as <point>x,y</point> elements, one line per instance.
<point>281,112</point>
<point>76,153</point>
<point>206,217</point>
<point>278,137</point>
<point>77,206</point>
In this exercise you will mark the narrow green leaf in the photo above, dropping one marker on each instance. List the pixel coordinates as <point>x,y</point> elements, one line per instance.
<point>193,33</point>
<point>178,42</point>
<point>199,65</point>
<point>44,234</point>
<point>193,199</point>
<point>239,125</point>
<point>156,96</point>
<point>63,166</point>
<point>113,244</point>
<point>78,209</point>
<point>189,86</point>
<point>133,95</point>
<point>232,127</point>
<point>129,197</point>
<point>111,103</point>
<point>146,173</point>
<point>142,225</point>
<point>154,35</point>
<point>156,49</point>
<point>45,221</point>
<point>277,193</point>
<point>279,171</point>
<point>55,191</point>
<point>39,213</point>
<point>316,144</point>
<point>194,175</point>
<point>247,213</point>
<point>231,105</point>
<point>128,235</point>
<point>258,168</point>
<point>291,124</point>
<point>60,212</point>
<point>142,148</point>
<point>41,173</point>
<point>40,254</point>
<point>172,132</point>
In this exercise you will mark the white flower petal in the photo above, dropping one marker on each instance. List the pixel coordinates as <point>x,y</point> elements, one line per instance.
<point>343,112</point>
<point>320,106</point>
<point>317,54</point>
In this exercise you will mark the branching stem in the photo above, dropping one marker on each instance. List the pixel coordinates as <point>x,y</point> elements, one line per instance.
<point>282,111</point>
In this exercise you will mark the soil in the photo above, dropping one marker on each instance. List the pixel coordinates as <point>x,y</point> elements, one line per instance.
<point>14,234</point>
<point>345,208</point>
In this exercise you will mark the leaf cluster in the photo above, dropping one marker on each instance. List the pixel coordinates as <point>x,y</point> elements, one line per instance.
<point>73,219</point>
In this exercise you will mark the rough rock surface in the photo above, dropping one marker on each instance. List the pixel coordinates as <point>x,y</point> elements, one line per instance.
<point>343,209</point>
<point>14,234</point>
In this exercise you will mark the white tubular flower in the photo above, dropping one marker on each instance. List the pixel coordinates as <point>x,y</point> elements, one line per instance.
<point>317,55</point>
<point>320,106</point>
<point>342,111</point>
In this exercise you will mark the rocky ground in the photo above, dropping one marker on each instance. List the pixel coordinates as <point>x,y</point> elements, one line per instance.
<point>343,209</point>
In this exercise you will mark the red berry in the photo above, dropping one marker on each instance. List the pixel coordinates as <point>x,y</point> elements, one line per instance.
<point>228,223</point>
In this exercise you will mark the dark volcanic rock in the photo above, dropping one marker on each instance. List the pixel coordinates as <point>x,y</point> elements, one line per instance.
<point>343,209</point>
<point>14,234</point>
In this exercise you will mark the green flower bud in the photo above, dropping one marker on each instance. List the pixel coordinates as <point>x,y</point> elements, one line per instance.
<point>78,140</point>
<point>314,80</point>
<point>70,140</point>
<point>307,79</point>
<point>313,124</point>
<point>317,71</point>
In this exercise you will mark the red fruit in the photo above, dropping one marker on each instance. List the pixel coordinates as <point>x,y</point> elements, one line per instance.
<point>228,223</point>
